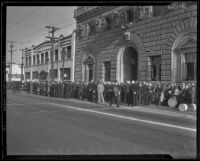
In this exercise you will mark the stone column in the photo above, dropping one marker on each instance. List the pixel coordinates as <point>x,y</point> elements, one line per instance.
<point>31,74</point>
<point>73,55</point>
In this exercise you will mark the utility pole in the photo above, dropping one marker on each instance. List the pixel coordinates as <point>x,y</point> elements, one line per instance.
<point>11,52</point>
<point>63,53</point>
<point>22,64</point>
<point>52,38</point>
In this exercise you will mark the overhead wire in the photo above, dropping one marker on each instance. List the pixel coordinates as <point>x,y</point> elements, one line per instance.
<point>32,28</point>
<point>27,15</point>
<point>41,30</point>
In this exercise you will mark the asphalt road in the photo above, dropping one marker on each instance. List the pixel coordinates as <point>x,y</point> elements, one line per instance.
<point>39,125</point>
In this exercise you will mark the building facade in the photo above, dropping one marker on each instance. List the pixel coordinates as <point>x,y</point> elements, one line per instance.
<point>17,72</point>
<point>152,43</point>
<point>38,64</point>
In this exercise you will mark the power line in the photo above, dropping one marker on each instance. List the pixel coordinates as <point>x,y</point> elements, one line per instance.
<point>52,30</point>
<point>23,26</point>
<point>42,30</point>
<point>27,15</point>
<point>22,64</point>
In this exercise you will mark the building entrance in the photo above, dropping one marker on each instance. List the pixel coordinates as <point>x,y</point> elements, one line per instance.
<point>130,64</point>
<point>89,68</point>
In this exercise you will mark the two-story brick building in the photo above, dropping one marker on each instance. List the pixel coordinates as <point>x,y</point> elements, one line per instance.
<point>38,60</point>
<point>154,43</point>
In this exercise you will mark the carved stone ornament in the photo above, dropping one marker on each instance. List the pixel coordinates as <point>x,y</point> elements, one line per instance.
<point>79,30</point>
<point>89,60</point>
<point>123,17</point>
<point>116,18</point>
<point>98,24</point>
<point>87,29</point>
<point>177,5</point>
<point>103,23</point>
<point>127,35</point>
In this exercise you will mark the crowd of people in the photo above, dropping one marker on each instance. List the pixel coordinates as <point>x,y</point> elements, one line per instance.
<point>131,93</point>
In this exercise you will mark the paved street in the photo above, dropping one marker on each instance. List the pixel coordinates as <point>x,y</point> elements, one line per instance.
<point>43,125</point>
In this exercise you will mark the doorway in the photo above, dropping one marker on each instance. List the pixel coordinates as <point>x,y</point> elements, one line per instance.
<point>130,64</point>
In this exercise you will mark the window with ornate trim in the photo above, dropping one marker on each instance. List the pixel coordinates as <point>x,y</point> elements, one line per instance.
<point>92,27</point>
<point>189,65</point>
<point>130,15</point>
<point>107,70</point>
<point>108,23</point>
<point>155,68</point>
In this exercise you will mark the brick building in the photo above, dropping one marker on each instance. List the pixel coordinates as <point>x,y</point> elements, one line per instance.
<point>38,60</point>
<point>155,43</point>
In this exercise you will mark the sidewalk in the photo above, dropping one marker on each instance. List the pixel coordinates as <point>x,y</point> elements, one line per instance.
<point>162,110</point>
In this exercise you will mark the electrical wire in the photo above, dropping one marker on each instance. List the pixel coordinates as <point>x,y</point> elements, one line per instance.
<point>35,33</point>
<point>23,18</point>
<point>32,28</point>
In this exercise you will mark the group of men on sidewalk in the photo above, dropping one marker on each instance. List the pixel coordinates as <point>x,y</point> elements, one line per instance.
<point>132,93</point>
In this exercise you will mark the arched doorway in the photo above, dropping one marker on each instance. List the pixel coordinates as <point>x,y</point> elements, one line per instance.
<point>89,65</point>
<point>130,64</point>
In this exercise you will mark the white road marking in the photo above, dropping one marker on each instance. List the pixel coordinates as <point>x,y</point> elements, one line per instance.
<point>125,117</point>
<point>19,104</point>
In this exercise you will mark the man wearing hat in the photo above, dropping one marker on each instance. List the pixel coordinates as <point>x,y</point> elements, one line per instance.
<point>140,93</point>
<point>134,93</point>
<point>116,91</point>
<point>127,94</point>
<point>100,90</point>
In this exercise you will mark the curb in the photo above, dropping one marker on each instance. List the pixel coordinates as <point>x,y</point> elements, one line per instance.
<point>159,111</point>
<point>148,109</point>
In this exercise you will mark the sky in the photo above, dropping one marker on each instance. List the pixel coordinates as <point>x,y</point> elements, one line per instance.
<point>26,26</point>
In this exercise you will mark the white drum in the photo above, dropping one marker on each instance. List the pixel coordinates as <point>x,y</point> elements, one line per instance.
<point>183,107</point>
<point>192,107</point>
<point>172,102</point>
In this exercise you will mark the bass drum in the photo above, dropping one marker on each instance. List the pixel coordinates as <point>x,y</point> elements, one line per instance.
<point>183,107</point>
<point>192,107</point>
<point>172,102</point>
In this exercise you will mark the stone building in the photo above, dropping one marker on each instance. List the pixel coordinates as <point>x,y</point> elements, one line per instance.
<point>38,60</point>
<point>154,43</point>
